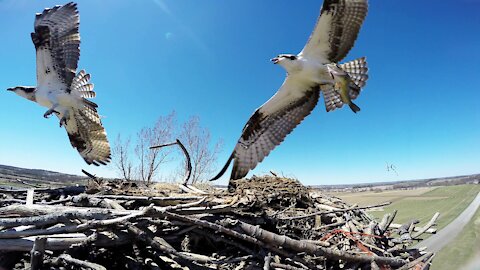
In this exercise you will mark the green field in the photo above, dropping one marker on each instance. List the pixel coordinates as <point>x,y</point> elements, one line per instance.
<point>449,201</point>
<point>419,203</point>
<point>364,198</point>
<point>464,249</point>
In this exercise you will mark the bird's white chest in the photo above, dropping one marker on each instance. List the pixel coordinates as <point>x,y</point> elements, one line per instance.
<point>45,97</point>
<point>50,95</point>
<point>314,72</point>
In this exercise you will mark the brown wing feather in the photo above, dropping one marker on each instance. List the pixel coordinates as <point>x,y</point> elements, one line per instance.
<point>336,29</point>
<point>56,31</point>
<point>87,135</point>
<point>263,133</point>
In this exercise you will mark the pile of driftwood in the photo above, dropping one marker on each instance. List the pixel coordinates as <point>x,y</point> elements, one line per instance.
<point>266,223</point>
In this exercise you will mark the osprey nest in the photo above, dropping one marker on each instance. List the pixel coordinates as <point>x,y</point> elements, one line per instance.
<point>266,223</point>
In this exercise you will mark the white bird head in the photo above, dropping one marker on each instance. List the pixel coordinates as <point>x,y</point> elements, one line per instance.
<point>27,92</point>
<point>287,61</point>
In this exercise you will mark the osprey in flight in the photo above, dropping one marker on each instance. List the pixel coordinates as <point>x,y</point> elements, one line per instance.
<point>60,89</point>
<point>315,69</point>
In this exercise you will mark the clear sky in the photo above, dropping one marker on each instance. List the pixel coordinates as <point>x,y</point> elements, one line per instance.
<point>420,108</point>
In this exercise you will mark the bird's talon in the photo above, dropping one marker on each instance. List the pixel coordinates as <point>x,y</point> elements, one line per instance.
<point>48,113</point>
<point>63,121</point>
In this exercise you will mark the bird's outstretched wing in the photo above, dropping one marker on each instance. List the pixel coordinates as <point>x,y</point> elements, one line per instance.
<point>270,124</point>
<point>87,134</point>
<point>57,42</point>
<point>336,30</point>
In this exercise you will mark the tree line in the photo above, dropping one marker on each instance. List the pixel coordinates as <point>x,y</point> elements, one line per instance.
<point>134,160</point>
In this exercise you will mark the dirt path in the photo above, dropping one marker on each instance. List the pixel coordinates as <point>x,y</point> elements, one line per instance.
<point>436,242</point>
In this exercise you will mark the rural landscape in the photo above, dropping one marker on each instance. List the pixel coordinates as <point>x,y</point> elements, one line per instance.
<point>418,199</point>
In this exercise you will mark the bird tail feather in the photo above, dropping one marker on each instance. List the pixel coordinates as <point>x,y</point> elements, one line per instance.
<point>358,72</point>
<point>81,83</point>
<point>354,107</point>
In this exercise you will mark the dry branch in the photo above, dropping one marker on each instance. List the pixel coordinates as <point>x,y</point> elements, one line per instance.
<point>303,246</point>
<point>188,161</point>
<point>66,259</point>
<point>427,226</point>
<point>330,211</point>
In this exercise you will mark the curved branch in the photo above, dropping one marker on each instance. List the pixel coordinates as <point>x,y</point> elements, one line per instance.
<point>188,161</point>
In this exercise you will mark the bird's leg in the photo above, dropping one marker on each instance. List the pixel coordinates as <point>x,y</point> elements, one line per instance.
<point>50,111</point>
<point>64,119</point>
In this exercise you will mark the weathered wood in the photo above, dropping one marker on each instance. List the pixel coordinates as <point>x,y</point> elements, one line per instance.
<point>73,228</point>
<point>104,239</point>
<point>217,230</point>
<point>331,210</point>
<point>36,260</point>
<point>301,246</point>
<point>66,259</point>
<point>146,198</point>
<point>430,230</point>
<point>427,226</point>
<point>70,190</point>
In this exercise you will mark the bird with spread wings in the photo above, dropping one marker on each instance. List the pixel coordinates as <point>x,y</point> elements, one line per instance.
<point>59,88</point>
<point>315,69</point>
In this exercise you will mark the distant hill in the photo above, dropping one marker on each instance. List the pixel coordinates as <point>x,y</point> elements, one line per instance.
<point>14,175</point>
<point>406,184</point>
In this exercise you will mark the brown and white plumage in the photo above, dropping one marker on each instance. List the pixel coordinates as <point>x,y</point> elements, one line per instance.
<point>267,129</point>
<point>336,30</point>
<point>308,73</point>
<point>57,43</point>
<point>84,128</point>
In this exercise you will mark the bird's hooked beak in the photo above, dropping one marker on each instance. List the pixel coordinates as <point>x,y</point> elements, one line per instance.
<point>10,89</point>
<point>275,60</point>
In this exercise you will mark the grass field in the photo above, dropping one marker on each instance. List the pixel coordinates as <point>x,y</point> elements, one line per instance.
<point>464,249</point>
<point>370,197</point>
<point>419,203</point>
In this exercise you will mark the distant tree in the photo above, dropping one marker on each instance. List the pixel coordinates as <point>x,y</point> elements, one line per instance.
<point>121,158</point>
<point>149,161</point>
<point>197,141</point>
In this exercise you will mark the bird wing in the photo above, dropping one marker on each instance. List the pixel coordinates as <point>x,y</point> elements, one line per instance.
<point>336,30</point>
<point>271,123</point>
<point>87,134</point>
<point>57,42</point>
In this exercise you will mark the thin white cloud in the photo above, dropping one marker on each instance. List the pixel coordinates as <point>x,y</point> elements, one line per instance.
<point>162,4</point>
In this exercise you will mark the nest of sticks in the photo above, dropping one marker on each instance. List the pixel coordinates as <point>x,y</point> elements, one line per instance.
<point>268,222</point>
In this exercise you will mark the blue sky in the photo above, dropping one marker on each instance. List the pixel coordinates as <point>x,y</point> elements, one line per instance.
<point>209,58</point>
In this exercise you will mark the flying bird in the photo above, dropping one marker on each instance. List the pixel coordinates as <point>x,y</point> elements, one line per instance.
<point>315,69</point>
<point>59,88</point>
